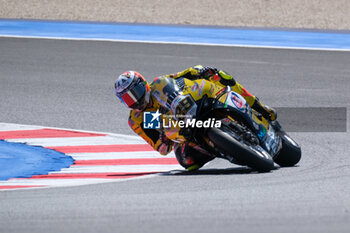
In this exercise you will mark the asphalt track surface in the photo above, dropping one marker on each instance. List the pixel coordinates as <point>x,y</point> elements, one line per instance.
<point>70,84</point>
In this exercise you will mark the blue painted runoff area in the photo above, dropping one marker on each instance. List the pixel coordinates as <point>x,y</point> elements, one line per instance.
<point>18,160</point>
<point>176,34</point>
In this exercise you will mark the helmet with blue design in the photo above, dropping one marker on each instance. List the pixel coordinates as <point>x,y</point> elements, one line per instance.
<point>132,90</point>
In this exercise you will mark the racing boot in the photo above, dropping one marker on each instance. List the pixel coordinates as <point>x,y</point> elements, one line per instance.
<point>190,158</point>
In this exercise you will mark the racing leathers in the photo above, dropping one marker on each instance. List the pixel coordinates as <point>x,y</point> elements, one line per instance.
<point>188,156</point>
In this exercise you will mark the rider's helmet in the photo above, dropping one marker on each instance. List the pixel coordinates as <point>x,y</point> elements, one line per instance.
<point>133,90</point>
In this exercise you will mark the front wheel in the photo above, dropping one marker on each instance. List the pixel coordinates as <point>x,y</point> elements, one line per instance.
<point>244,152</point>
<point>290,153</point>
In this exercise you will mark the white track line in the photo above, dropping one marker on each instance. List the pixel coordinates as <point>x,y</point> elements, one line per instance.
<point>15,127</point>
<point>179,43</point>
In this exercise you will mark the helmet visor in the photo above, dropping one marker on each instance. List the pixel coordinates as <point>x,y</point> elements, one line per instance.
<point>133,97</point>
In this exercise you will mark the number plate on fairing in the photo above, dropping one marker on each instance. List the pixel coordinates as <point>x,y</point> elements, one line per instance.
<point>184,106</point>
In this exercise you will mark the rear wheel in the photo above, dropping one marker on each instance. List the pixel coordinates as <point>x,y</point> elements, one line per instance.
<point>241,150</point>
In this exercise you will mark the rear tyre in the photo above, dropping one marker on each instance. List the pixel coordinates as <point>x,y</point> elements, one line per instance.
<point>251,155</point>
<point>290,153</point>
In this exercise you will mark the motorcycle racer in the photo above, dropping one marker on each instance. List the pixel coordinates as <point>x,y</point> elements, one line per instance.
<point>133,90</point>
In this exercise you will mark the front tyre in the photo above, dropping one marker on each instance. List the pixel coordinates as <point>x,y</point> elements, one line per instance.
<point>290,153</point>
<point>251,155</point>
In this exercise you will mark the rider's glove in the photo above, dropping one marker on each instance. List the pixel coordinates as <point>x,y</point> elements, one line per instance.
<point>266,111</point>
<point>207,72</point>
<point>165,145</point>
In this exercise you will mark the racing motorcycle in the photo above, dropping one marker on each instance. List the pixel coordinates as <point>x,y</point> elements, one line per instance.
<point>240,134</point>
